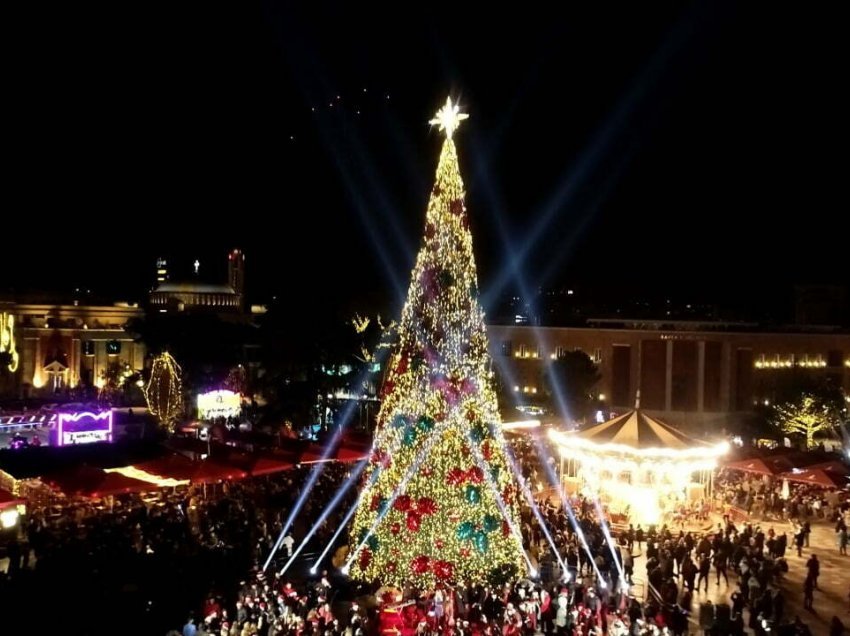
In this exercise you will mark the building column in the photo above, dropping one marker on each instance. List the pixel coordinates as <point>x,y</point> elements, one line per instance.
<point>668,378</point>
<point>726,377</point>
<point>700,376</point>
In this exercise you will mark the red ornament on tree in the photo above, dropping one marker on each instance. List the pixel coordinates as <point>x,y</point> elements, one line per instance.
<point>475,475</point>
<point>443,570</point>
<point>421,564</point>
<point>440,544</point>
<point>455,477</point>
<point>395,528</point>
<point>426,506</point>
<point>456,206</point>
<point>365,558</point>
<point>401,367</point>
<point>402,503</point>
<point>486,451</point>
<point>506,528</point>
<point>388,388</point>
<point>376,502</point>
<point>413,521</point>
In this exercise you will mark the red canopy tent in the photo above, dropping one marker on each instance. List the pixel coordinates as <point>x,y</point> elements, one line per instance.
<point>208,471</point>
<point>260,464</point>
<point>351,453</point>
<point>172,466</point>
<point>817,477</point>
<point>313,454</point>
<point>833,466</point>
<point>762,465</point>
<point>116,484</point>
<point>88,481</point>
<point>269,465</point>
<point>7,499</point>
<point>345,452</point>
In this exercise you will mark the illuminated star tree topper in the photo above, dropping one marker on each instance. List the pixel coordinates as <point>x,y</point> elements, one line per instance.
<point>448,118</point>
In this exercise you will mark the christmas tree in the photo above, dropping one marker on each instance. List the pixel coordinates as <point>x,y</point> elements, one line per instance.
<point>439,503</point>
<point>164,390</point>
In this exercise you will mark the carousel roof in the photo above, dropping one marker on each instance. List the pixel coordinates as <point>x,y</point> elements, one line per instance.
<point>638,430</point>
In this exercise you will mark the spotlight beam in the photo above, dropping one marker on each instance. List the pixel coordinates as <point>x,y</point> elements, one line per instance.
<point>544,455</point>
<point>593,157</point>
<point>482,464</point>
<point>344,523</point>
<point>326,512</point>
<point>534,508</point>
<point>315,472</point>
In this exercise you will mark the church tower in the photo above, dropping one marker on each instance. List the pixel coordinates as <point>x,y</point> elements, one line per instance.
<point>236,274</point>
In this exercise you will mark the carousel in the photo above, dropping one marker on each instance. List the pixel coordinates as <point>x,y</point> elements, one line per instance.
<point>641,469</point>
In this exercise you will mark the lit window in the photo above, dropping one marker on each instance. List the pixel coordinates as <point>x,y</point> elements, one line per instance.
<point>113,348</point>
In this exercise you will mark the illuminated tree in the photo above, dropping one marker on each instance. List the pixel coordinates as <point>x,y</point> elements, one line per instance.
<point>164,391</point>
<point>806,416</point>
<point>438,479</point>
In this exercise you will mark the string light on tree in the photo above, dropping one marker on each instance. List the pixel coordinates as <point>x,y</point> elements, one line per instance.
<point>164,390</point>
<point>437,518</point>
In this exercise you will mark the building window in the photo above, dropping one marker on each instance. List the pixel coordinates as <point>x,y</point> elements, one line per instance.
<point>113,348</point>
<point>88,347</point>
<point>522,352</point>
<point>597,355</point>
<point>507,348</point>
<point>560,352</point>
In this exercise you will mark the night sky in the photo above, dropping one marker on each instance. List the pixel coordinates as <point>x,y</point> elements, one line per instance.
<point>664,146</point>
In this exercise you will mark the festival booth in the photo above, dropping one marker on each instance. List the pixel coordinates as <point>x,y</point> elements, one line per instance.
<point>638,466</point>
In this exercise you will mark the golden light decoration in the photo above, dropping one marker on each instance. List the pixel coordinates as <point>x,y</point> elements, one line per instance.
<point>164,390</point>
<point>138,473</point>
<point>7,340</point>
<point>446,523</point>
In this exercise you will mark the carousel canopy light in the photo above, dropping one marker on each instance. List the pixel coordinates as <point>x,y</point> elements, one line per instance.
<point>568,442</point>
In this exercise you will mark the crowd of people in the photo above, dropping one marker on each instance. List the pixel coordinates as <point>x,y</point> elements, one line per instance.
<point>155,560</point>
